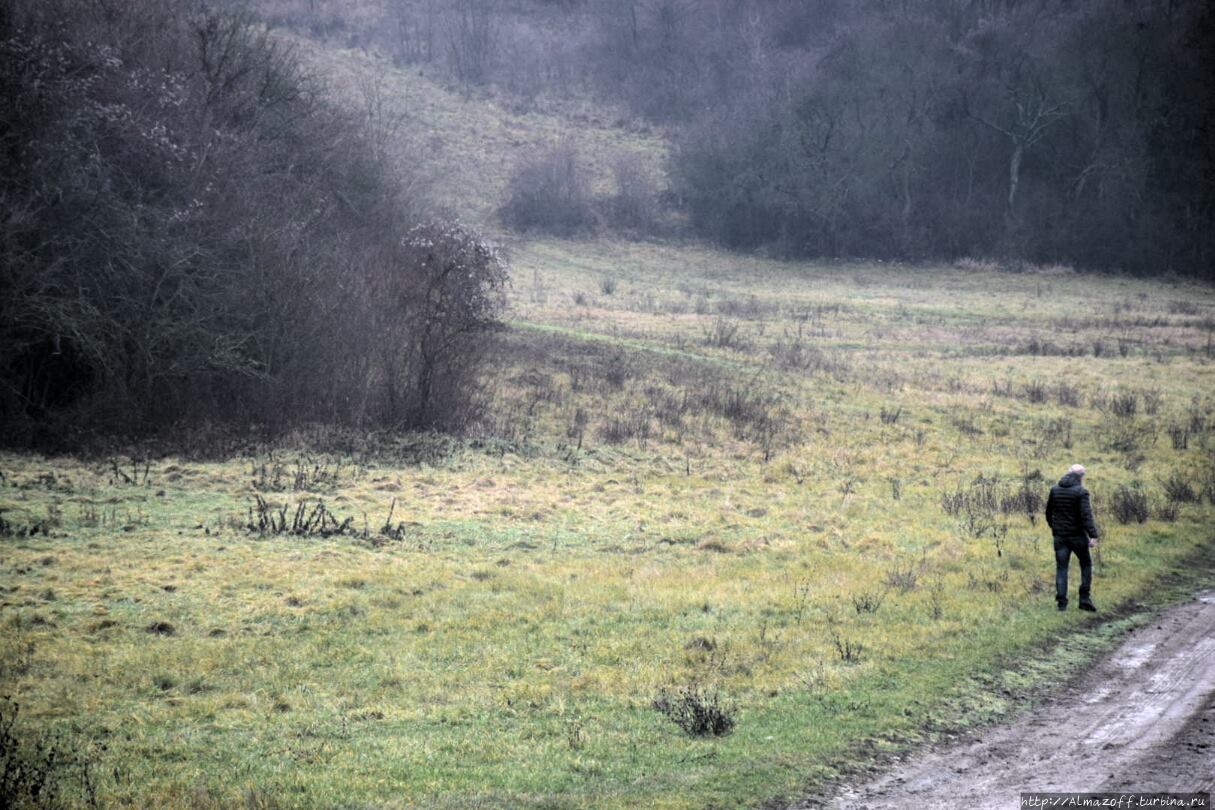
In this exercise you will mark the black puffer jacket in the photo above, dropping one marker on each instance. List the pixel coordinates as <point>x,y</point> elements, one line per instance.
<point>1068,512</point>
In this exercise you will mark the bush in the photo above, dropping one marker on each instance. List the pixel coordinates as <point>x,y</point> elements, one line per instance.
<point>1036,391</point>
<point>634,424</point>
<point>848,650</point>
<point>1152,400</point>
<point>1179,490</point>
<point>1124,405</point>
<point>1166,511</point>
<point>635,204</point>
<point>724,334</point>
<point>867,601</point>
<point>549,194</point>
<point>307,519</point>
<point>1130,503</point>
<point>41,771</point>
<point>1025,500</point>
<point>422,351</point>
<point>904,579</point>
<point>1067,394</point>
<point>699,713</point>
<point>1127,436</point>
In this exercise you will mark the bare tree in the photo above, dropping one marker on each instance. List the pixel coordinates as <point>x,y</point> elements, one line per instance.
<point>1019,101</point>
<point>472,39</point>
<point>413,26</point>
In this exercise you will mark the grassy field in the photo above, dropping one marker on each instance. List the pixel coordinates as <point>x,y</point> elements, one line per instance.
<point>804,495</point>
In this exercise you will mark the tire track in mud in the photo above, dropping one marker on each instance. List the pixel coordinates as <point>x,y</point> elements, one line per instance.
<point>1141,719</point>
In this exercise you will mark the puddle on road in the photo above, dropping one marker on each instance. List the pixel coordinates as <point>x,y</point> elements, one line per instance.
<point>1133,659</point>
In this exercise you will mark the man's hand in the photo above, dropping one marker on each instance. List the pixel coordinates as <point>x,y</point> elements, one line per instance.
<point>1092,542</point>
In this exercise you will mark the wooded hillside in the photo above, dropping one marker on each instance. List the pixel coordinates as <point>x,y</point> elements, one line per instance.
<point>1078,133</point>
<point>191,233</point>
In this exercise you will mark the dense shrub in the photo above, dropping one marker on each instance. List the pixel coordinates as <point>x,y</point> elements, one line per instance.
<point>700,713</point>
<point>42,771</point>
<point>1166,510</point>
<point>634,206</point>
<point>549,193</point>
<point>1124,404</point>
<point>1130,503</point>
<point>1178,489</point>
<point>192,234</point>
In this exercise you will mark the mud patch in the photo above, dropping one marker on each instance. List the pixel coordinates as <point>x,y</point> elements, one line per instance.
<point>1142,719</point>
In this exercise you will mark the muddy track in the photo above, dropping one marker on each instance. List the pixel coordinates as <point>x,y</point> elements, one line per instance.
<point>1141,719</point>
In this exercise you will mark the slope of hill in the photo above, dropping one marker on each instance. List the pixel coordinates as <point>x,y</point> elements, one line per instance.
<point>464,146</point>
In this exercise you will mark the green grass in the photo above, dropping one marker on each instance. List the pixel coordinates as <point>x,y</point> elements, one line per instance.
<point>553,579</point>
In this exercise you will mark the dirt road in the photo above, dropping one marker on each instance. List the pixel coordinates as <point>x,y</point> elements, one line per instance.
<point>1142,719</point>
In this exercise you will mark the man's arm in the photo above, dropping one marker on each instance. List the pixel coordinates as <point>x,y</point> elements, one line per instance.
<point>1050,506</point>
<point>1086,517</point>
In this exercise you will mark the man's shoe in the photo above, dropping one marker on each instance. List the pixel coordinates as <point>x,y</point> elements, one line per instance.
<point>1063,606</point>
<point>1089,606</point>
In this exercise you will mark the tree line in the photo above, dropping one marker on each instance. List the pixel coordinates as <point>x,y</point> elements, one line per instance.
<point>191,234</point>
<point>1078,133</point>
<point>1049,131</point>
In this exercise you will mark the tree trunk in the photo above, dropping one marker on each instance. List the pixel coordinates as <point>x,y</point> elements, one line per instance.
<point>1014,173</point>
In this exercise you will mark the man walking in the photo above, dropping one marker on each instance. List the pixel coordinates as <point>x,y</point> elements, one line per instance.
<point>1070,517</point>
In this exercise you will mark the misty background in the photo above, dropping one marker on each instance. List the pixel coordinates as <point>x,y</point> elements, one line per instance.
<point>195,229</point>
<point>1072,132</point>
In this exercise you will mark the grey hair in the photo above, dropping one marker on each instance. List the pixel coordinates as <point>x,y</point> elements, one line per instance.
<point>1078,469</point>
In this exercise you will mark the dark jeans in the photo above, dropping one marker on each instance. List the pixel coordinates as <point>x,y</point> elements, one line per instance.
<point>1065,547</point>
